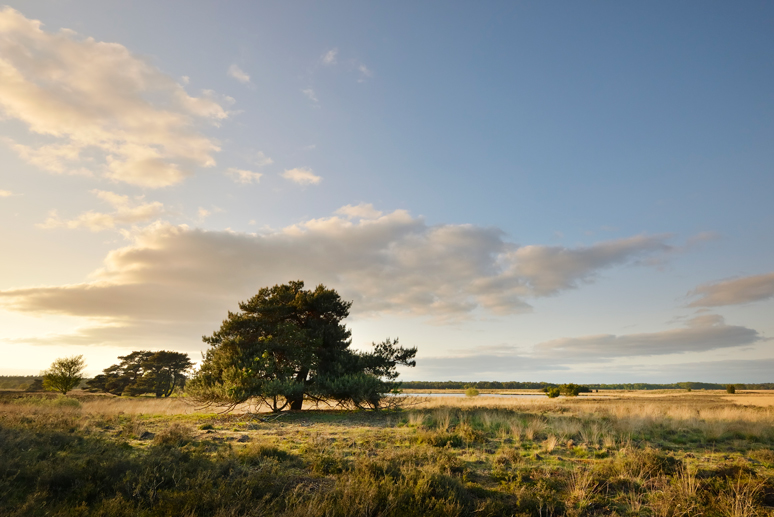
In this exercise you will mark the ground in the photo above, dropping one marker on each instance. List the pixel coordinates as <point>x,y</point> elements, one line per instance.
<point>666,453</point>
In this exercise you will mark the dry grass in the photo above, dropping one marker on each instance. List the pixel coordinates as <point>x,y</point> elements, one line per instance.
<point>648,454</point>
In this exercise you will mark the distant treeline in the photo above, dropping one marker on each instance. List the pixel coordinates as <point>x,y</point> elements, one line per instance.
<point>480,385</point>
<point>16,382</point>
<point>22,382</point>
<point>515,385</point>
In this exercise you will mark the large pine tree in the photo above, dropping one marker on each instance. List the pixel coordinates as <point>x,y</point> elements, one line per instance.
<point>287,343</point>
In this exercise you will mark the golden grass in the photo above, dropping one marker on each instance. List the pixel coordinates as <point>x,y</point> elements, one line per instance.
<point>668,453</point>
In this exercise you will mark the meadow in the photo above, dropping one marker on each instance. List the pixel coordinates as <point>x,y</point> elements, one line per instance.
<point>662,453</point>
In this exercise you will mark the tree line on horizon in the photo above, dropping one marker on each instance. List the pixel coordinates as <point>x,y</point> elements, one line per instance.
<point>529,385</point>
<point>22,382</point>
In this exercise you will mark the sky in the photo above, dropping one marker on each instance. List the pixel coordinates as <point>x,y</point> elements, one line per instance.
<point>533,191</point>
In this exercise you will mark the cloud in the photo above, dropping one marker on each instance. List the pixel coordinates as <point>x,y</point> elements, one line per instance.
<point>238,74</point>
<point>126,212</point>
<point>361,211</point>
<point>702,333</point>
<point>243,176</point>
<point>546,270</point>
<point>261,160</point>
<point>93,106</point>
<point>733,292</point>
<point>302,176</point>
<point>6,193</point>
<point>329,58</point>
<point>393,263</point>
<point>365,73</point>
<point>57,158</point>
<point>310,95</point>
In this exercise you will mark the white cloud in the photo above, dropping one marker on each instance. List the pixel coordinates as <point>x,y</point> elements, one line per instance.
<point>393,263</point>
<point>244,176</point>
<point>261,160</point>
<point>126,212</point>
<point>736,291</point>
<point>329,58</point>
<point>365,73</point>
<point>238,74</point>
<point>302,176</point>
<point>310,95</point>
<point>5,193</point>
<point>702,333</point>
<point>94,106</point>
<point>361,211</point>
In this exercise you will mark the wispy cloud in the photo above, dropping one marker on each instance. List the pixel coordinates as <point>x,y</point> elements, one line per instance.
<point>735,291</point>
<point>261,160</point>
<point>5,193</point>
<point>238,74</point>
<point>136,122</point>
<point>365,73</point>
<point>204,213</point>
<point>302,176</point>
<point>125,212</point>
<point>244,176</point>
<point>310,95</point>
<point>329,58</point>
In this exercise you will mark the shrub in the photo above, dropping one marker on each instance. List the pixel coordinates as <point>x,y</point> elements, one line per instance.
<point>553,392</point>
<point>471,392</point>
<point>731,389</point>
<point>174,435</point>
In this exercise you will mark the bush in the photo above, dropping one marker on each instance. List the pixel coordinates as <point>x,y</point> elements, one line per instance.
<point>553,392</point>
<point>731,389</point>
<point>471,392</point>
<point>174,435</point>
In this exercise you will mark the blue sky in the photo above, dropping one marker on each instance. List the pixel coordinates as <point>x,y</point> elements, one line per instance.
<point>562,192</point>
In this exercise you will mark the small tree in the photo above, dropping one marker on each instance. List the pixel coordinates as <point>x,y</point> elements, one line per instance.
<point>553,392</point>
<point>64,374</point>
<point>730,388</point>
<point>471,391</point>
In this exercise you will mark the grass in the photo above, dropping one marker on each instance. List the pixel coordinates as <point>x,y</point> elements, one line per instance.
<point>663,454</point>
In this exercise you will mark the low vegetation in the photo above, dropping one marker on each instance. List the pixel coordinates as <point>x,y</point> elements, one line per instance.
<point>667,454</point>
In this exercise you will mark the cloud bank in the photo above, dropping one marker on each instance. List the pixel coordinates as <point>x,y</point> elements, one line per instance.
<point>392,263</point>
<point>702,333</point>
<point>94,107</point>
<point>734,292</point>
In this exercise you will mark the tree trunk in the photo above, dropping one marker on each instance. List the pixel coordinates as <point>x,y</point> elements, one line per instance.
<point>297,401</point>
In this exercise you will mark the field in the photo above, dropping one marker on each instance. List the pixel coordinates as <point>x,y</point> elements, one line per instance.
<point>667,453</point>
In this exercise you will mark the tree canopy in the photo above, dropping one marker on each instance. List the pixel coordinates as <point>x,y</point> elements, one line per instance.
<point>64,374</point>
<point>144,372</point>
<point>286,344</point>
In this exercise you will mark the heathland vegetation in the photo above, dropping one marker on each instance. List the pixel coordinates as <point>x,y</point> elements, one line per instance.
<point>661,454</point>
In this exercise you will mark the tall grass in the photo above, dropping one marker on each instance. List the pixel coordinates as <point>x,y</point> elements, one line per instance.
<point>589,457</point>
